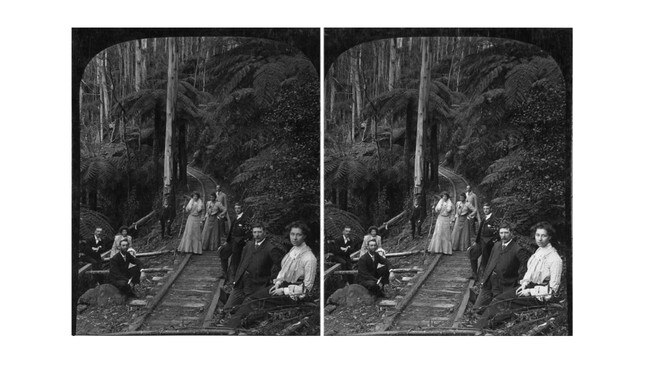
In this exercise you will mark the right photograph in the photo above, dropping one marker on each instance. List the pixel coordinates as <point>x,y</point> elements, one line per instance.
<point>448,182</point>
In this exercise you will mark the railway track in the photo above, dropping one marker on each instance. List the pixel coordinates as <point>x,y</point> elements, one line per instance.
<point>187,299</point>
<point>438,298</point>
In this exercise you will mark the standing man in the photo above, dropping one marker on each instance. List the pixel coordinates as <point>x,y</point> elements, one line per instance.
<point>240,231</point>
<point>417,218</point>
<point>506,266</point>
<point>472,217</point>
<point>374,270</point>
<point>259,258</point>
<point>223,199</point>
<point>120,274</point>
<point>487,235</point>
<point>166,217</point>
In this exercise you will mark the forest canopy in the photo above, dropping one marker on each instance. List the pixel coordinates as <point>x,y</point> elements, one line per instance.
<point>246,112</point>
<point>495,113</point>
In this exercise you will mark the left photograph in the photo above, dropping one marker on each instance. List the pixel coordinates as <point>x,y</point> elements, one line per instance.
<point>196,188</point>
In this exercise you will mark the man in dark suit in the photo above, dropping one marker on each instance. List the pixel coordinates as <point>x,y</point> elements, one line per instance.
<point>417,217</point>
<point>374,270</point>
<point>340,250</point>
<point>506,266</point>
<point>487,235</point>
<point>260,263</point>
<point>124,270</point>
<point>167,216</point>
<point>240,231</point>
<point>95,246</point>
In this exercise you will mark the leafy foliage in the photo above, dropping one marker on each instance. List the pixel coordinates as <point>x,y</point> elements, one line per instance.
<point>281,181</point>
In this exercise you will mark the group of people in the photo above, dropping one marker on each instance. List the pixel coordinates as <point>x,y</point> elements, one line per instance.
<point>213,217</point>
<point>512,278</point>
<point>267,277</point>
<point>124,267</point>
<point>373,267</point>
<point>456,225</point>
<point>509,276</point>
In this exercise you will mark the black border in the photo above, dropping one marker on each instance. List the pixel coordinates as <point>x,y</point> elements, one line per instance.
<point>557,42</point>
<point>87,42</point>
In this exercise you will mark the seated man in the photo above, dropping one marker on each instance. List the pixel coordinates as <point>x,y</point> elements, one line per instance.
<point>259,260</point>
<point>540,283</point>
<point>294,282</point>
<point>121,274</point>
<point>93,249</point>
<point>340,250</point>
<point>374,270</point>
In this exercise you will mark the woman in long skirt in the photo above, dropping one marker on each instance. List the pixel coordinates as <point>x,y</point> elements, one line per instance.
<point>211,236</point>
<point>191,240</point>
<point>441,239</point>
<point>461,236</point>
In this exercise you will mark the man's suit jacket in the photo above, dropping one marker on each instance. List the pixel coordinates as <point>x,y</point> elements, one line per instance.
<point>240,229</point>
<point>119,268</point>
<point>488,230</point>
<point>90,243</point>
<point>340,242</point>
<point>509,265</point>
<point>261,264</point>
<point>418,214</point>
<point>368,268</point>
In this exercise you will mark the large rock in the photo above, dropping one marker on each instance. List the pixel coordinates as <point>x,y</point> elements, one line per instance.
<point>338,297</point>
<point>358,295</point>
<point>351,295</point>
<point>103,295</point>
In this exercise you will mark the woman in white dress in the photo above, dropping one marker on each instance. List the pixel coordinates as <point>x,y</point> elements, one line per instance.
<point>539,285</point>
<point>191,240</point>
<point>372,234</point>
<point>122,234</point>
<point>441,239</point>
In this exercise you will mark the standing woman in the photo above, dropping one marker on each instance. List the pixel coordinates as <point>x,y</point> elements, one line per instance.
<point>122,234</point>
<point>460,237</point>
<point>191,240</point>
<point>211,230</point>
<point>441,239</point>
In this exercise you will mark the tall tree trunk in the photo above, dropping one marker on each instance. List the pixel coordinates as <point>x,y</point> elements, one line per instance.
<point>207,56</point>
<point>353,96</point>
<point>138,64</point>
<point>434,154</point>
<point>158,142</point>
<point>451,64</point>
<point>392,65</point>
<point>422,110</point>
<point>332,117</point>
<point>103,94</point>
<point>182,154</point>
<point>357,84</point>
<point>172,88</point>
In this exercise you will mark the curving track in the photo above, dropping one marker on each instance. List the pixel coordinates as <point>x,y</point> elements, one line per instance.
<point>189,296</point>
<point>439,296</point>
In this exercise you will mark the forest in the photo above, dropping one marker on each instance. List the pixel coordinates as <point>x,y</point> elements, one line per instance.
<point>491,109</point>
<point>245,111</point>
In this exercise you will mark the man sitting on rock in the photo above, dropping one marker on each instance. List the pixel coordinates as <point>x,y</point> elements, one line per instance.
<point>374,270</point>
<point>121,274</point>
